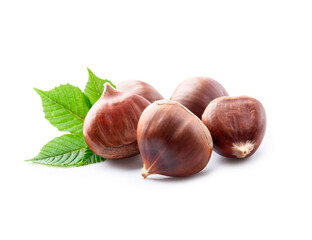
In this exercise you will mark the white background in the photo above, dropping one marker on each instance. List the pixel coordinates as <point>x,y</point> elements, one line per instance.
<point>259,48</point>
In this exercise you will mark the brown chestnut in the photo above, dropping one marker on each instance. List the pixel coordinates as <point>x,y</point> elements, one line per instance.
<point>110,126</point>
<point>172,140</point>
<point>196,93</point>
<point>237,125</point>
<point>140,88</point>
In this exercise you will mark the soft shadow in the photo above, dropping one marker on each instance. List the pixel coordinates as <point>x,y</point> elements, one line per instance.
<point>134,162</point>
<point>235,161</point>
<point>232,161</point>
<point>215,162</point>
<point>161,178</point>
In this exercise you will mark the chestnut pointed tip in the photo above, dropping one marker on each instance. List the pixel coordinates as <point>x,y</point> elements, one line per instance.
<point>242,149</point>
<point>145,172</point>
<point>108,88</point>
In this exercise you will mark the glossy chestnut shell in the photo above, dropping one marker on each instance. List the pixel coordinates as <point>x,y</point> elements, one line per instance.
<point>172,140</point>
<point>140,88</point>
<point>110,126</point>
<point>237,125</point>
<point>196,93</point>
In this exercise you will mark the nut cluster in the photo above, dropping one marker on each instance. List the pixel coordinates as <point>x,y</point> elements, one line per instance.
<point>174,137</point>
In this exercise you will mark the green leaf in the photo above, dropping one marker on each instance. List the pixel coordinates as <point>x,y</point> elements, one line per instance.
<point>64,151</point>
<point>90,157</point>
<point>95,87</point>
<point>65,107</point>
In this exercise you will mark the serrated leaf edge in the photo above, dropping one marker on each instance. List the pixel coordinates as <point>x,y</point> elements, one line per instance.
<point>38,159</point>
<point>93,82</point>
<point>43,92</point>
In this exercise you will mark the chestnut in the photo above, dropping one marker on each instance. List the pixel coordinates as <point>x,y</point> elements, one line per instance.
<point>237,125</point>
<point>196,93</point>
<point>172,140</point>
<point>140,88</point>
<point>110,126</point>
